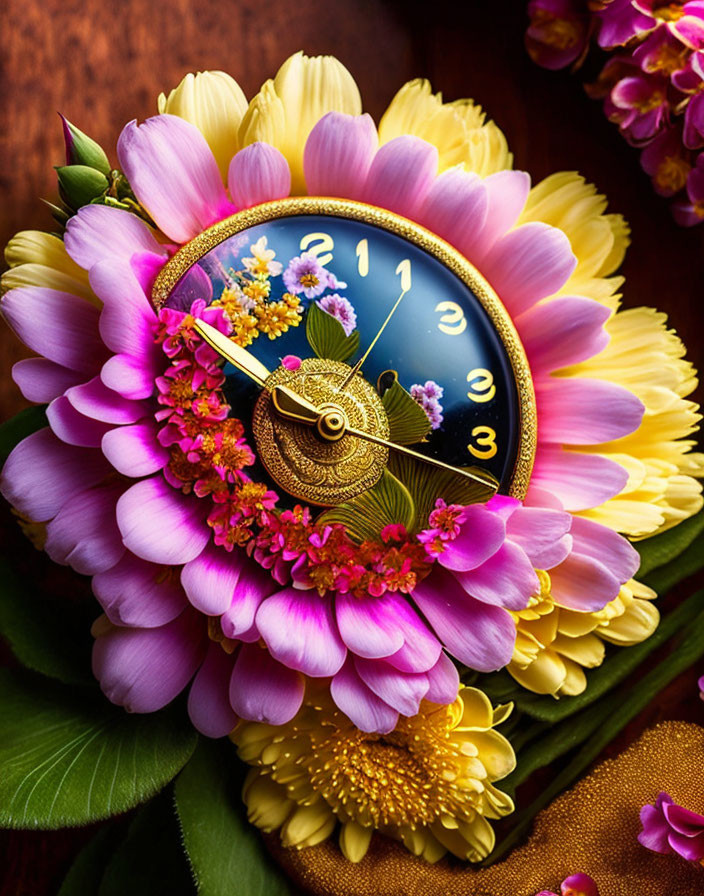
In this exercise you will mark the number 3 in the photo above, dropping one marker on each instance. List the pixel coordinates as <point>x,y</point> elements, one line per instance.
<point>486,438</point>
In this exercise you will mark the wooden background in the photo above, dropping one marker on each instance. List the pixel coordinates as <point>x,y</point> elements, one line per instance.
<point>103,64</point>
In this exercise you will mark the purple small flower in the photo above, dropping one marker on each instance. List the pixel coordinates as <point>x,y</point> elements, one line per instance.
<point>334,283</point>
<point>428,397</point>
<point>620,21</point>
<point>701,687</point>
<point>669,828</point>
<point>341,309</point>
<point>639,105</point>
<point>558,32</point>
<point>575,885</point>
<point>306,275</point>
<point>665,161</point>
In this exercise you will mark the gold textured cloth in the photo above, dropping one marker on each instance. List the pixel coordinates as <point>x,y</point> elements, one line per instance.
<point>591,828</point>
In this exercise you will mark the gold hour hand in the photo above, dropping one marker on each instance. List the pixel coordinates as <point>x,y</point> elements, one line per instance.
<point>332,424</point>
<point>230,351</point>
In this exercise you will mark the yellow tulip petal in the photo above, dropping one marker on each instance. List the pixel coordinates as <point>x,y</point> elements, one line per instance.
<point>355,840</point>
<point>285,110</point>
<point>215,104</point>
<point>545,676</point>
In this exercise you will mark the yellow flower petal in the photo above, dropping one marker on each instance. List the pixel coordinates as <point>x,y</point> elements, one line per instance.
<point>355,840</point>
<point>267,804</point>
<point>545,676</point>
<point>40,259</point>
<point>575,680</point>
<point>285,110</point>
<point>215,104</point>
<point>587,650</point>
<point>308,825</point>
<point>477,710</point>
<point>458,129</point>
<point>637,623</point>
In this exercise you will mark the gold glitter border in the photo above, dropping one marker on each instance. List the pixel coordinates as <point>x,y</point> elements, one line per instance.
<point>193,251</point>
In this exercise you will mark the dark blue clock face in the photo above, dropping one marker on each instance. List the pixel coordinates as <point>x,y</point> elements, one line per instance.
<point>440,335</point>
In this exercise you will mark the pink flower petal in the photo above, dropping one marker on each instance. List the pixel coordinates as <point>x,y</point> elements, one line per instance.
<point>300,631</point>
<point>506,193</point>
<point>541,533</point>
<point>208,700</point>
<point>443,681</point>
<point>98,232</point>
<point>367,711</point>
<point>134,450</point>
<point>528,264</point>
<point>482,534</point>
<point>253,586</point>
<point>146,267</point>
<point>140,594</point>
<point>507,579</point>
<point>608,547</point>
<point>338,155</point>
<point>576,328</point>
<point>129,376</point>
<point>400,690</point>
<point>72,427</point>
<point>94,399</point>
<point>585,411</point>
<point>42,473</point>
<point>258,173</point>
<point>57,325</point>
<point>367,624</point>
<point>160,524</point>
<point>84,533</point>
<point>127,319</point>
<point>479,635</point>
<point>262,690</point>
<point>209,580</point>
<point>41,380</point>
<point>401,175</point>
<point>583,584</point>
<point>174,175</point>
<point>456,208</point>
<point>143,669</point>
<point>580,481</point>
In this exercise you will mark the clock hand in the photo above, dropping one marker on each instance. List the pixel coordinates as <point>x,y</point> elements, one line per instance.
<point>358,366</point>
<point>332,424</point>
<point>235,354</point>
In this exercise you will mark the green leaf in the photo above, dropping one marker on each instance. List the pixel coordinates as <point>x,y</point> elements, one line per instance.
<point>46,632</point>
<point>226,852</point>
<point>326,335</point>
<point>617,666</point>
<point>600,724</point>
<point>385,503</point>
<point>661,549</point>
<point>408,422</point>
<point>19,427</point>
<point>427,483</point>
<point>684,565</point>
<point>150,861</point>
<point>69,757</point>
<point>86,873</point>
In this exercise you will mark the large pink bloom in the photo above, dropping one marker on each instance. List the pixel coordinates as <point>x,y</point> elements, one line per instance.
<point>177,607</point>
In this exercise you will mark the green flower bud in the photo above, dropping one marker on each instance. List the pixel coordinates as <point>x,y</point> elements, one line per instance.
<point>79,185</point>
<point>81,150</point>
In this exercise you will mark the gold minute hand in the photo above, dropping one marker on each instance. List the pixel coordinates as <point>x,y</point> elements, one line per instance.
<point>235,354</point>
<point>293,407</point>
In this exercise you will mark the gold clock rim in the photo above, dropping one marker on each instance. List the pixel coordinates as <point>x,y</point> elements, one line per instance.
<point>415,233</point>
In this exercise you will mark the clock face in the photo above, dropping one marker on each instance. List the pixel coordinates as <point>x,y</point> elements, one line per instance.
<point>448,342</point>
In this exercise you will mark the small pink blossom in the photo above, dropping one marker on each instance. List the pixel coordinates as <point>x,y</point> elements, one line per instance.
<point>428,397</point>
<point>669,828</point>
<point>306,275</point>
<point>341,309</point>
<point>575,885</point>
<point>291,362</point>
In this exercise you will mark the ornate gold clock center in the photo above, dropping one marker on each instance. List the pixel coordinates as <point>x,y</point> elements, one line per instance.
<point>322,464</point>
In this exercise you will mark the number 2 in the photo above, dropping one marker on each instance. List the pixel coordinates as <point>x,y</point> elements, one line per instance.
<point>318,243</point>
<point>453,320</point>
<point>485,437</point>
<point>481,385</point>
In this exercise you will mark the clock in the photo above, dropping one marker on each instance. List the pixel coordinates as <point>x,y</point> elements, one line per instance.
<point>362,342</point>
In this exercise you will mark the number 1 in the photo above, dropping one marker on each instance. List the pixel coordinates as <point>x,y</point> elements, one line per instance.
<point>363,256</point>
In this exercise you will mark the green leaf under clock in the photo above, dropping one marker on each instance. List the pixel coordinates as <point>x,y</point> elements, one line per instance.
<point>408,422</point>
<point>364,517</point>
<point>327,336</point>
<point>69,757</point>
<point>426,484</point>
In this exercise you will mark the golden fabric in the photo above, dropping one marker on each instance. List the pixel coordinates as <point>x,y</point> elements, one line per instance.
<point>591,828</point>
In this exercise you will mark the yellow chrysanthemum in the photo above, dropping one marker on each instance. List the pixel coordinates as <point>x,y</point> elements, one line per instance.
<point>554,645</point>
<point>429,783</point>
<point>459,130</point>
<point>215,104</point>
<point>40,259</point>
<point>286,108</point>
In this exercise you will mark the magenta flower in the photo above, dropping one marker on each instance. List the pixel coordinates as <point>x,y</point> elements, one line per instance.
<point>639,104</point>
<point>184,606</point>
<point>665,160</point>
<point>341,309</point>
<point>620,21</point>
<point>306,275</point>
<point>690,211</point>
<point>661,52</point>
<point>684,20</point>
<point>558,32</point>
<point>575,885</point>
<point>669,828</point>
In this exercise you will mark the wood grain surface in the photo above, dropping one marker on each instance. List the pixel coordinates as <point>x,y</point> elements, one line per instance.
<point>103,64</point>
